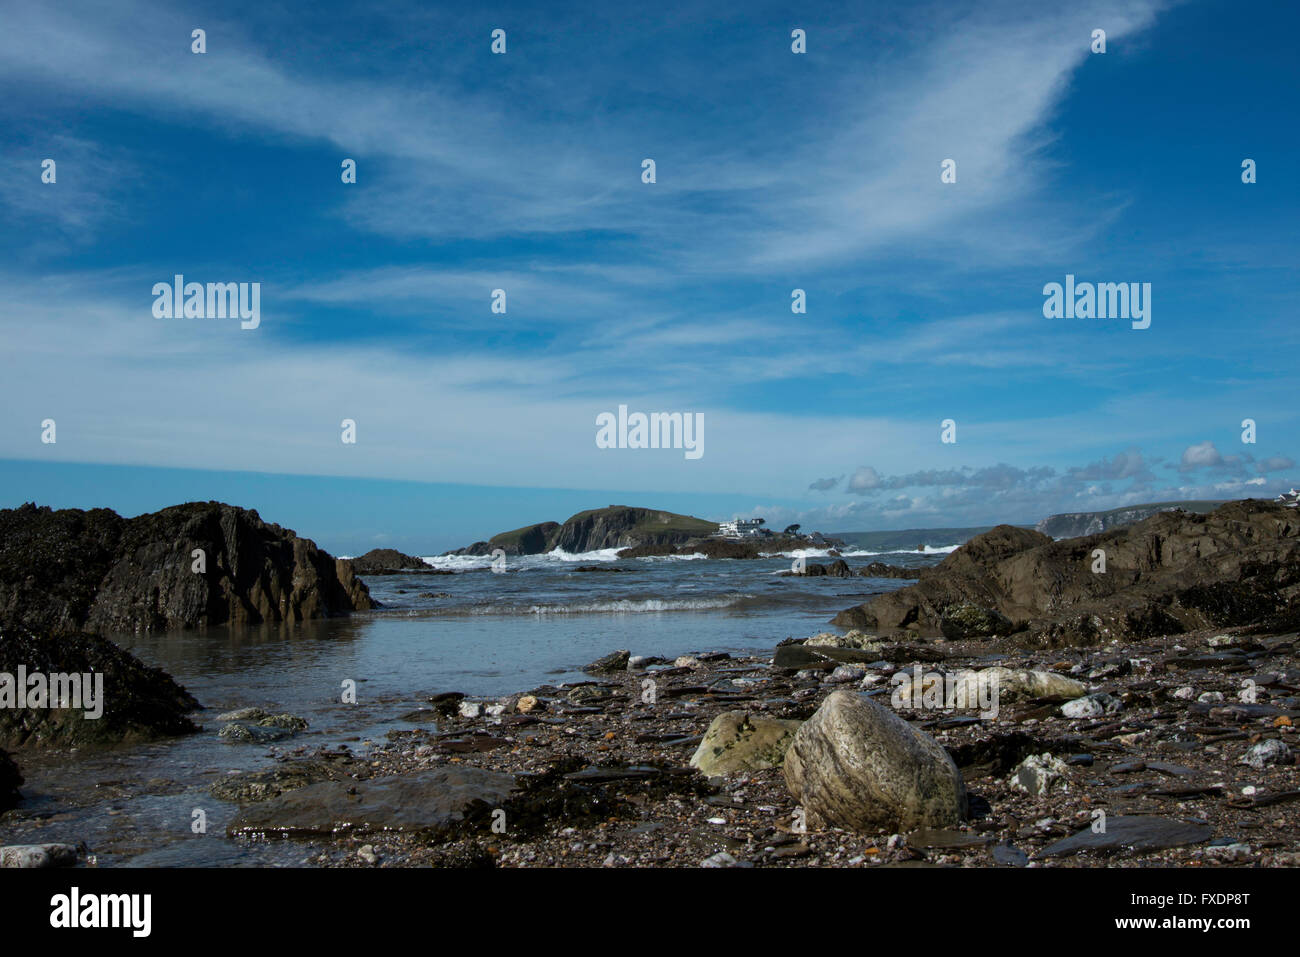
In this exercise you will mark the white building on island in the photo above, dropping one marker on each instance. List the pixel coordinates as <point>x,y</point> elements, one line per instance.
<point>1290,499</point>
<point>741,528</point>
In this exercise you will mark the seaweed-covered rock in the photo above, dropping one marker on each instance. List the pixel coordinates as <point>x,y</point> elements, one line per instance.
<point>137,702</point>
<point>968,620</point>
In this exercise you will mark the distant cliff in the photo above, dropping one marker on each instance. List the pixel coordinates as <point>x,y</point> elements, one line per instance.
<point>1077,524</point>
<point>72,570</point>
<point>616,526</point>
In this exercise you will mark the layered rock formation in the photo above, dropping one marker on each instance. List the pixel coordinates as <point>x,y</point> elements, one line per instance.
<point>1172,572</point>
<point>194,564</point>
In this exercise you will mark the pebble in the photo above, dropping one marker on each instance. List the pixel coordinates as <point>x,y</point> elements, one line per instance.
<point>1271,751</point>
<point>1092,706</point>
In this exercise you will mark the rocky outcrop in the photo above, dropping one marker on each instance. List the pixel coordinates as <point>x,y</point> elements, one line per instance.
<point>195,564</point>
<point>1167,574</point>
<point>616,526</point>
<point>136,703</point>
<point>529,540</point>
<point>386,561</point>
<point>619,526</point>
<point>741,741</point>
<point>855,765</point>
<point>10,780</point>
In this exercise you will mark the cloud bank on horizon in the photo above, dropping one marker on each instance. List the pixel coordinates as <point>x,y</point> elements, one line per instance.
<point>523,172</point>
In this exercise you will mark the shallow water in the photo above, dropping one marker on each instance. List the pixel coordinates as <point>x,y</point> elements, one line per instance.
<point>478,632</point>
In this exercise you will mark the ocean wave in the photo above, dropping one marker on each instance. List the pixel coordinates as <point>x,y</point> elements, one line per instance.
<point>928,550</point>
<point>859,553</point>
<point>610,606</point>
<point>557,557</point>
<point>457,563</point>
<point>599,555</point>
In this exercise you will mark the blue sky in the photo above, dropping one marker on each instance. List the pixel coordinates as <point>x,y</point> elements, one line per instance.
<point>522,172</point>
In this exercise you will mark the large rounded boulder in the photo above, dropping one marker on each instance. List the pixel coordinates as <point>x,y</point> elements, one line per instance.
<point>856,765</point>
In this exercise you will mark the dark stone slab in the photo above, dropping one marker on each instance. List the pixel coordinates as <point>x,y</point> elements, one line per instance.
<point>1131,832</point>
<point>432,801</point>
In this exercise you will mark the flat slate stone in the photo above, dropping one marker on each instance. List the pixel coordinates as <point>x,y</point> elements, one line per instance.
<point>799,657</point>
<point>946,838</point>
<point>431,801</point>
<point>1008,856</point>
<point>1134,832</point>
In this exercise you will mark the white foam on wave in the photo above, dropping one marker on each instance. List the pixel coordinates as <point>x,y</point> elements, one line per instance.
<point>859,553</point>
<point>458,563</point>
<point>638,605</point>
<point>616,606</point>
<point>927,550</point>
<point>599,555</point>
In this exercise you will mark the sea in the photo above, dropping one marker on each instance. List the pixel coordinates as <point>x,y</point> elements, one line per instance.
<point>478,631</point>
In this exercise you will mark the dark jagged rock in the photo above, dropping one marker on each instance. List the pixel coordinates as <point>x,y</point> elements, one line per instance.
<point>386,561</point>
<point>139,703</point>
<point>71,569</point>
<point>613,662</point>
<point>1170,573</point>
<point>836,569</point>
<point>10,780</point>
